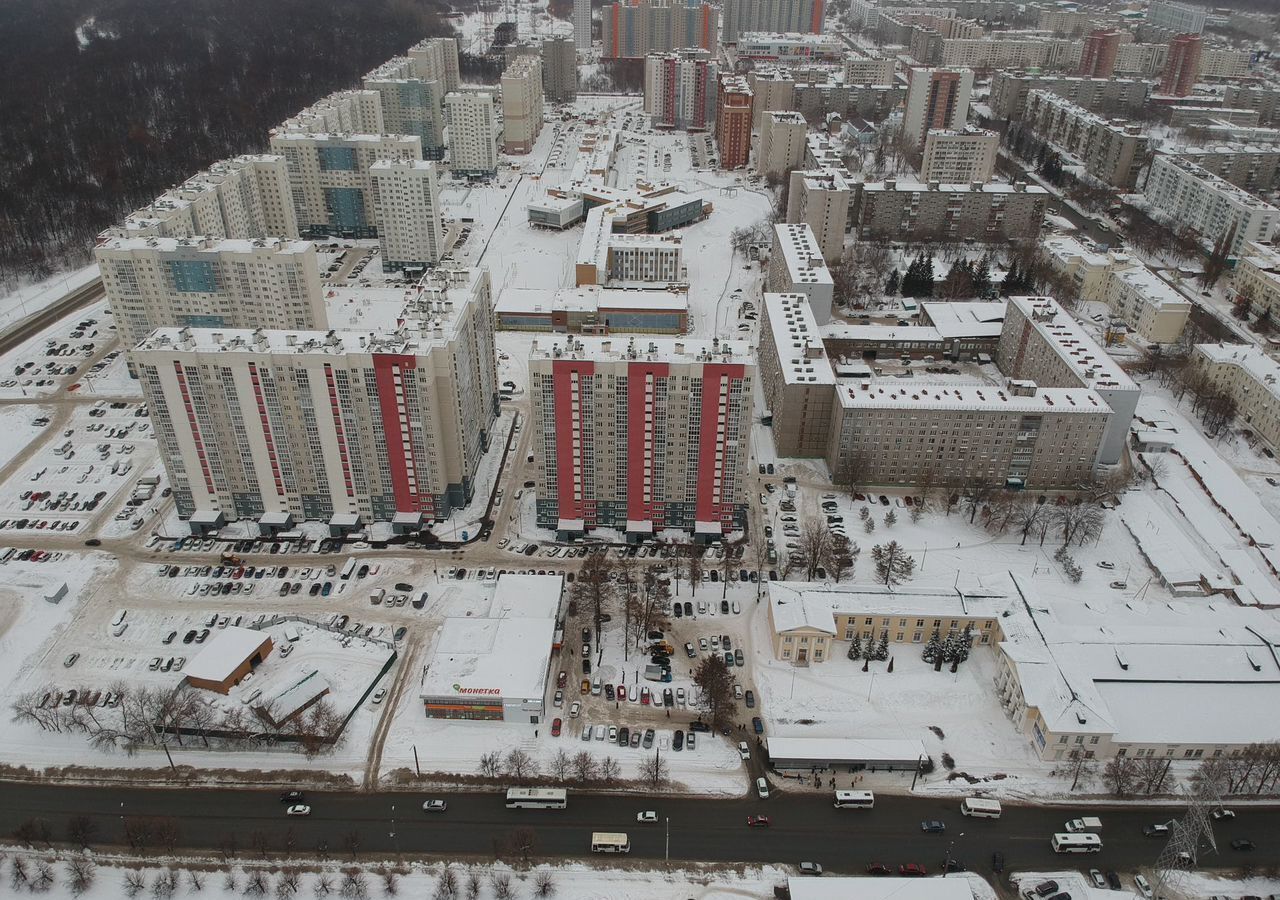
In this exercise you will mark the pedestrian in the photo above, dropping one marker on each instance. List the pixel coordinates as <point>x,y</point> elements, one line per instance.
<point>535,732</point>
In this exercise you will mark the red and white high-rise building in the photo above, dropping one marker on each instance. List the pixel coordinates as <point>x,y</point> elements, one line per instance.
<point>733,121</point>
<point>936,98</point>
<point>1183,65</point>
<point>641,435</point>
<point>1098,58</point>
<point>680,89</point>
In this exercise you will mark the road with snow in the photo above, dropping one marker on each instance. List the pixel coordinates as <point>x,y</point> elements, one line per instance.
<point>803,827</point>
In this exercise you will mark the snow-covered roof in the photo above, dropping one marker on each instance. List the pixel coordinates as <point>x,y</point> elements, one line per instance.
<point>811,604</point>
<point>803,888</point>
<point>889,393</point>
<point>1064,248</point>
<point>524,596</point>
<point>1073,345</point>
<point>201,244</point>
<point>802,254</point>
<point>587,298</point>
<point>644,349</point>
<point>226,651</point>
<point>797,340</point>
<point>965,320</point>
<point>851,749</point>
<point>1150,288</point>
<point>490,657</point>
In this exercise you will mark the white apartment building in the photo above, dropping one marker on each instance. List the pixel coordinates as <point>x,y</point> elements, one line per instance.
<point>868,70</point>
<point>1042,343</point>
<point>329,177</point>
<point>641,434</point>
<point>582,24</point>
<point>1222,62</point>
<point>780,145</point>
<point>1188,194</point>
<point>796,266</point>
<point>410,104</point>
<point>241,197</point>
<point>346,426</point>
<point>1251,378</point>
<point>1008,52</point>
<point>820,198</point>
<point>154,282</point>
<point>1182,18</point>
<point>473,132</point>
<point>436,59</point>
<point>342,112</point>
<point>959,157</point>
<point>1257,277</point>
<point>521,104</point>
<point>936,98</point>
<point>796,378</point>
<point>406,199</point>
<point>1115,152</point>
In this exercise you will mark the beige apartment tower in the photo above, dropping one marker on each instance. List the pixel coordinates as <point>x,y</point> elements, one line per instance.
<point>521,104</point>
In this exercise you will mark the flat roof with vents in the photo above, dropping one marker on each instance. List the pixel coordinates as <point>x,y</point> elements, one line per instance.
<point>797,339</point>
<point>891,393</point>
<point>1073,344</point>
<point>802,254</point>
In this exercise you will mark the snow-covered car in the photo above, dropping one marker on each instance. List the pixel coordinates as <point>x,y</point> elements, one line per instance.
<point>434,806</point>
<point>298,809</point>
<point>647,816</point>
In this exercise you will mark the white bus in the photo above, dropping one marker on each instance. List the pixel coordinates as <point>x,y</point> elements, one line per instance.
<point>348,569</point>
<point>855,800</point>
<point>979,808</point>
<point>537,798</point>
<point>610,842</point>
<point>1076,843</point>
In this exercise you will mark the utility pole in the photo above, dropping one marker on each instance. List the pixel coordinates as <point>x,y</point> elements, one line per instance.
<point>667,819</point>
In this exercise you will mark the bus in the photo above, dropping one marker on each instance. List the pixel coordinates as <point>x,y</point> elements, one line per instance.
<point>855,800</point>
<point>349,569</point>
<point>980,808</point>
<point>610,842</point>
<point>537,798</point>
<point>1076,843</point>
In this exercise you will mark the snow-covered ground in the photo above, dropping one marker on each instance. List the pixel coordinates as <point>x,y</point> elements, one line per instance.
<point>27,299</point>
<point>18,429</point>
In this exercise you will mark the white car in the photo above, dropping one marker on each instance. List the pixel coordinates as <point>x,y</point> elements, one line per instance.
<point>647,816</point>
<point>574,709</point>
<point>1144,886</point>
<point>298,809</point>
<point>378,695</point>
<point>743,750</point>
<point>434,806</point>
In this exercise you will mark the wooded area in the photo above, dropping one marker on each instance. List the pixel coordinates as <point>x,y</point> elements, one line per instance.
<point>108,102</point>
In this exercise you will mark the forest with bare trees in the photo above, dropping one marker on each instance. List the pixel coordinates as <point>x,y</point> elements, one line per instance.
<point>106,104</point>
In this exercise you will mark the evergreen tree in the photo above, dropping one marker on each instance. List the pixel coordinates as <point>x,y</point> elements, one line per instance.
<point>869,650</point>
<point>890,519</point>
<point>1011,284</point>
<point>882,649</point>
<point>869,525</point>
<point>926,277</point>
<point>966,644</point>
<point>855,648</point>
<point>981,275</point>
<point>891,286</point>
<point>933,648</point>
<point>949,646</point>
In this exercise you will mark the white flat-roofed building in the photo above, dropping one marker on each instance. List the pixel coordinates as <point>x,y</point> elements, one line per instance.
<point>494,666</point>
<point>406,198</point>
<point>606,257</point>
<point>959,157</point>
<point>241,197</point>
<point>1147,303</point>
<point>329,177</point>
<point>331,424</point>
<point>592,310</point>
<point>1042,342</point>
<point>871,754</point>
<point>472,119</point>
<point>1251,378</point>
<point>1190,195</point>
<point>155,282</point>
<point>641,434</point>
<point>791,47</point>
<point>1257,278</point>
<point>795,375</point>
<point>1181,18</point>
<point>797,266</point>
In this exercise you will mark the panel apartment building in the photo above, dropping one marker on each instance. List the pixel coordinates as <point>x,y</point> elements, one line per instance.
<point>346,426</point>
<point>795,376</point>
<point>780,145</point>
<point>680,90</point>
<point>410,104</point>
<point>406,197</point>
<point>1213,207</point>
<point>894,210</point>
<point>632,29</point>
<point>641,435</point>
<point>154,282</point>
<point>521,104</point>
<point>473,132</point>
<point>1105,96</point>
<point>797,16</point>
<point>1257,277</point>
<point>733,121</point>
<point>796,266</point>
<point>1251,378</point>
<point>959,157</point>
<point>936,98</point>
<point>241,197</point>
<point>1112,152</point>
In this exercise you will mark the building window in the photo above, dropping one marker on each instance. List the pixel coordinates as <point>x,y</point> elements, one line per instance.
<point>1093,740</point>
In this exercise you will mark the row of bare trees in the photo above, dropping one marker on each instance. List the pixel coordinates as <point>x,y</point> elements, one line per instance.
<point>150,716</point>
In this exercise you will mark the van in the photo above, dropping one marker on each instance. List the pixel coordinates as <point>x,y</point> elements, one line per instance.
<point>120,629</point>
<point>291,634</point>
<point>120,615</point>
<point>980,808</point>
<point>762,789</point>
<point>375,597</point>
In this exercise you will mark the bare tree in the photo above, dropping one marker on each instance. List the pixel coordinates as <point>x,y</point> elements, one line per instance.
<point>610,770</point>
<point>1078,765</point>
<point>852,472</point>
<point>654,771</point>
<point>323,885</point>
<point>977,492</point>
<point>1152,773</point>
<point>351,842</point>
<point>893,564</point>
<point>195,881</point>
<point>501,885</point>
<point>544,883</point>
<point>521,842</point>
<point>353,886</point>
<point>842,556</point>
<point>1026,515</point>
<point>134,882</point>
<point>584,766</point>
<point>815,545</point>
<point>447,886</point>
<point>81,831</point>
<point>693,567</point>
<point>473,885</point>
<point>81,872</point>
<point>43,877</point>
<point>561,765</point>
<point>594,588</point>
<point>520,765</point>
<point>491,764</point>
<point>1120,775</point>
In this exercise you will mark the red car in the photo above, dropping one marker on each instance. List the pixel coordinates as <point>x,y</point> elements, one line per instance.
<point>555,728</point>
<point>757,821</point>
<point>562,679</point>
<point>912,869</point>
<point>621,692</point>
<point>879,869</point>
<point>644,696</point>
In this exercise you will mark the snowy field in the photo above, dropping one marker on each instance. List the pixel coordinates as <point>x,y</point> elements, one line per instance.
<point>28,299</point>
<point>18,429</point>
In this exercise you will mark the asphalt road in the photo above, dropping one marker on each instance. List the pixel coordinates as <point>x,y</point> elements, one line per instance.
<point>803,827</point>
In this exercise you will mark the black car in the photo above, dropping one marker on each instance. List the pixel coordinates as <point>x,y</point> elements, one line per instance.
<point>724,606</point>
<point>608,692</point>
<point>699,726</point>
<point>688,609</point>
<point>750,697</point>
<point>997,863</point>
<point>677,742</point>
<point>1113,881</point>
<point>1242,844</point>
<point>677,610</point>
<point>952,865</point>
<point>292,797</point>
<point>624,736</point>
<point>586,667</point>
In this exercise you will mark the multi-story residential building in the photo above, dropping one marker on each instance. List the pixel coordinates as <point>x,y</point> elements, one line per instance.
<point>680,89</point>
<point>1001,51</point>
<point>1257,279</point>
<point>740,16</point>
<point>1251,378</point>
<point>1107,96</point>
<point>632,29</point>
<point>894,210</point>
<point>773,90</point>
<point>521,104</point>
<point>436,59</point>
<point>1113,152</point>
<point>1146,303</point>
<point>1041,342</point>
<point>1185,18</point>
<point>868,69</point>
<point>410,105</point>
<point>329,177</point>
<point>406,198</point>
<point>733,121</point>
<point>1254,168</point>
<point>959,157</point>
<point>767,46</point>
<point>559,69</point>
<point>582,24</point>
<point>345,426</point>
<point>358,112</point>
<point>1141,60</point>
<point>1098,58</point>
<point>781,143</point>
<point>796,266</point>
<point>1263,98</point>
<point>157,282</point>
<point>796,377</point>
<point>1223,62</point>
<point>473,132</point>
<point>242,197</point>
<point>1182,66</point>
<point>936,98</point>
<point>1188,194</point>
<point>641,434</point>
<point>820,198</point>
